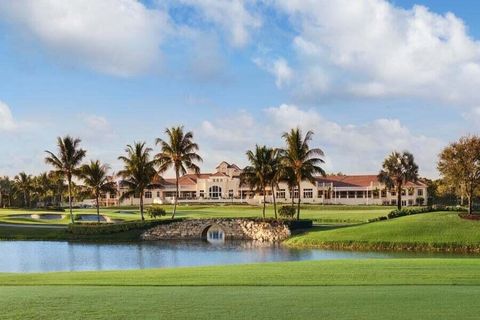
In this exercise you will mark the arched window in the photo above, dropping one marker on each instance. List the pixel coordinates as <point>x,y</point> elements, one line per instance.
<point>215,192</point>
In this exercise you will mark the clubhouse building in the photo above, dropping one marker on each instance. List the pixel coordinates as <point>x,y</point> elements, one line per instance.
<point>223,186</point>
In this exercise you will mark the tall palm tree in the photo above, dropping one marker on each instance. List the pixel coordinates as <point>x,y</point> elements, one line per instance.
<point>258,174</point>
<point>397,170</point>
<point>276,174</point>
<point>138,172</point>
<point>303,162</point>
<point>179,152</point>
<point>96,181</point>
<point>24,184</point>
<point>66,162</point>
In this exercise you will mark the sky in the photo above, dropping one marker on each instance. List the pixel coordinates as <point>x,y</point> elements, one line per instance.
<point>367,77</point>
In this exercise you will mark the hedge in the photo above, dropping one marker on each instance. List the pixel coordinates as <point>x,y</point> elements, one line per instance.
<point>95,228</point>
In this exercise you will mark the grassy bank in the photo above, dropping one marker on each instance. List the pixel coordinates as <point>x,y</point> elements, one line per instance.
<point>358,289</point>
<point>442,231</point>
<point>326,214</point>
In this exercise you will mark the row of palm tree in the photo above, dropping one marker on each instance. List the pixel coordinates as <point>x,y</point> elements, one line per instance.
<point>294,163</point>
<point>140,168</point>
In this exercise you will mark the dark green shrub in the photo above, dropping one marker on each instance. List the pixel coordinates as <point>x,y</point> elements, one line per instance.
<point>287,212</point>
<point>299,224</point>
<point>156,212</point>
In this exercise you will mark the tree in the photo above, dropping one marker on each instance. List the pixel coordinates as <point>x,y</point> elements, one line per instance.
<point>96,181</point>
<point>257,175</point>
<point>6,190</point>
<point>459,164</point>
<point>397,170</point>
<point>302,162</point>
<point>276,174</point>
<point>179,152</point>
<point>43,187</point>
<point>66,162</point>
<point>24,184</point>
<point>138,172</point>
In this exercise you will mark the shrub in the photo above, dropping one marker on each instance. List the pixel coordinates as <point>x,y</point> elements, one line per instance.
<point>287,212</point>
<point>378,219</point>
<point>299,224</point>
<point>156,212</point>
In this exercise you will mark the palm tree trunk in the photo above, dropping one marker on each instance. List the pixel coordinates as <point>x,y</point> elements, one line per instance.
<point>274,201</point>
<point>399,197</point>
<point>176,195</point>
<point>70,198</point>
<point>141,206</point>
<point>264,201</point>
<point>298,204</point>
<point>25,199</point>
<point>98,207</point>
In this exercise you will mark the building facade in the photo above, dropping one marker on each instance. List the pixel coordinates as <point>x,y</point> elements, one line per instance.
<point>223,186</point>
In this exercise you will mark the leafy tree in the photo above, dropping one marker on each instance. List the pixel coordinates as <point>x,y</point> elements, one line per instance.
<point>138,172</point>
<point>301,162</point>
<point>24,184</point>
<point>179,152</point>
<point>459,164</point>
<point>397,170</point>
<point>257,175</point>
<point>66,162</point>
<point>96,181</point>
<point>43,187</point>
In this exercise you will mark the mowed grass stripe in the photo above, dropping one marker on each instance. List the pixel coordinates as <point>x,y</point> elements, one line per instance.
<point>380,302</point>
<point>305,273</point>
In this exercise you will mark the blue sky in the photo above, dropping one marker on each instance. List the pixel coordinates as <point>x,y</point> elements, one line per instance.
<point>368,77</point>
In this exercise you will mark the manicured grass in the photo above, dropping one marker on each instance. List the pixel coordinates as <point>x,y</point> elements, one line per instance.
<point>348,289</point>
<point>325,214</point>
<point>429,231</point>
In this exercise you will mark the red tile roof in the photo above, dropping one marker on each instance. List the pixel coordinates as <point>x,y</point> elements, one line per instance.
<point>358,181</point>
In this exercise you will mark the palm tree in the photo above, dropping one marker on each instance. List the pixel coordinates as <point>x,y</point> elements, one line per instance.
<point>96,181</point>
<point>178,152</point>
<point>276,174</point>
<point>66,162</point>
<point>24,184</point>
<point>6,189</point>
<point>303,162</point>
<point>43,186</point>
<point>138,172</point>
<point>258,174</point>
<point>397,170</point>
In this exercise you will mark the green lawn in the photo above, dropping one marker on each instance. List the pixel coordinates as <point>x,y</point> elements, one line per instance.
<point>330,213</point>
<point>341,289</point>
<point>436,230</point>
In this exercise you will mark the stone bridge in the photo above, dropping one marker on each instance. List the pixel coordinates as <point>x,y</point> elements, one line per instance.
<point>220,229</point>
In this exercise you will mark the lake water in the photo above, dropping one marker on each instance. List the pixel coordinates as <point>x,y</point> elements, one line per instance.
<point>46,256</point>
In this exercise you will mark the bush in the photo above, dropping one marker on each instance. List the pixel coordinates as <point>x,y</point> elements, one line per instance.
<point>299,224</point>
<point>287,212</point>
<point>156,212</point>
<point>378,219</point>
<point>96,229</point>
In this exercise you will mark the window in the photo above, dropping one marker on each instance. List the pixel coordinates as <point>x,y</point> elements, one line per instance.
<point>393,193</point>
<point>202,194</point>
<point>343,194</point>
<point>148,195</point>
<point>320,194</point>
<point>404,192</point>
<point>295,193</point>
<point>113,195</point>
<point>384,193</point>
<point>376,194</point>
<point>230,193</point>
<point>410,191</point>
<point>420,192</point>
<point>410,202</point>
<point>215,192</point>
<point>308,193</point>
<point>393,202</point>
<point>359,194</point>
<point>281,193</point>
<point>158,194</point>
<point>351,194</point>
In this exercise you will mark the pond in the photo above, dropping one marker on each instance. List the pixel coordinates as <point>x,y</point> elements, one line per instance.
<point>46,256</point>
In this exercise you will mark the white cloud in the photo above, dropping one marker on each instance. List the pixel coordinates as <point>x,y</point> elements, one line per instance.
<point>97,123</point>
<point>7,123</point>
<point>231,15</point>
<point>118,37</point>
<point>373,48</point>
<point>348,148</point>
<point>279,68</point>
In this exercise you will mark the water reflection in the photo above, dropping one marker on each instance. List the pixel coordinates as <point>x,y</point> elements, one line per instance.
<point>45,256</point>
